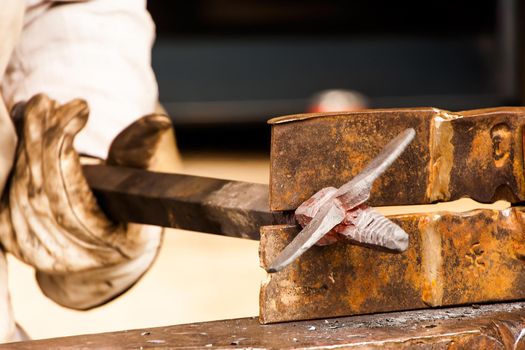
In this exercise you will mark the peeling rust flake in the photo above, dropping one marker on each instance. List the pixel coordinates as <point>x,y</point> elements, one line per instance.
<point>441,157</point>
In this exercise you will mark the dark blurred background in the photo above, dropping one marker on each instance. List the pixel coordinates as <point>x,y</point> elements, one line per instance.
<point>224,67</point>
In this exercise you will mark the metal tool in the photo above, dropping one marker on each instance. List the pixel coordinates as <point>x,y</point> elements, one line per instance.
<point>238,208</point>
<point>196,203</point>
<point>370,227</point>
<point>453,257</point>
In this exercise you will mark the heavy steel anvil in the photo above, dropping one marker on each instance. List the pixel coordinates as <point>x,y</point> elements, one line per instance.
<point>452,258</point>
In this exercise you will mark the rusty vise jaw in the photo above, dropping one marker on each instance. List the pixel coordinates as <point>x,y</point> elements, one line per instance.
<point>453,257</point>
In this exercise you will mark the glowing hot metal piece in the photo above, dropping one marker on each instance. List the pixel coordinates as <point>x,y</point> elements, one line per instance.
<point>342,208</point>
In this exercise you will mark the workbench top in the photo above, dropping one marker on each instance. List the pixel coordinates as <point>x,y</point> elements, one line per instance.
<point>496,326</point>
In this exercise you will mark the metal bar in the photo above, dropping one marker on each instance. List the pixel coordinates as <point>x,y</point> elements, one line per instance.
<point>476,154</point>
<point>498,326</point>
<point>452,259</point>
<point>230,208</point>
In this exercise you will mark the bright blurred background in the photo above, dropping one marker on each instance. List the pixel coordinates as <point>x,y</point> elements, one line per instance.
<point>226,66</point>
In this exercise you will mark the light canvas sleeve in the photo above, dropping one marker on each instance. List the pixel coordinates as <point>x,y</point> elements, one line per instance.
<point>97,50</point>
<point>11,17</point>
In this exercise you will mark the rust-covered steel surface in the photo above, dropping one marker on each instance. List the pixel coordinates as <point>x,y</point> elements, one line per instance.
<point>452,259</point>
<point>476,154</point>
<point>499,327</point>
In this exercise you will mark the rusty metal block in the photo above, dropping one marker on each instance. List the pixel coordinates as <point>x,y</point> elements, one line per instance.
<point>476,154</point>
<point>452,259</point>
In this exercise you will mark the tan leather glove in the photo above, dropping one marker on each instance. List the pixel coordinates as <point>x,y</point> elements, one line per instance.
<point>82,258</point>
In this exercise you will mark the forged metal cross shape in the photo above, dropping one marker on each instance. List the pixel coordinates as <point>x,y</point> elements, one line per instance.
<point>332,211</point>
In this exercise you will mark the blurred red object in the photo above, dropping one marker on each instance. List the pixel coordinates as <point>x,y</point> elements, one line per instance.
<point>337,101</point>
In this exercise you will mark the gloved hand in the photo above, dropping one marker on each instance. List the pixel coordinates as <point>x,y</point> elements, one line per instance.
<point>50,219</point>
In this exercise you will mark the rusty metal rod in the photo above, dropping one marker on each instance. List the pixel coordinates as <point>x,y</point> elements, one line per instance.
<point>217,206</point>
